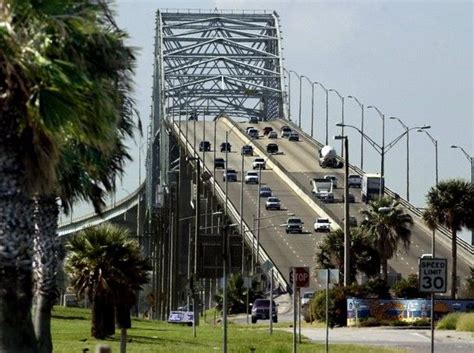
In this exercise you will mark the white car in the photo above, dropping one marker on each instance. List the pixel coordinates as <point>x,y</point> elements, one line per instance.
<point>306,298</point>
<point>273,203</point>
<point>253,133</point>
<point>251,177</point>
<point>334,180</point>
<point>354,181</point>
<point>258,163</point>
<point>322,225</point>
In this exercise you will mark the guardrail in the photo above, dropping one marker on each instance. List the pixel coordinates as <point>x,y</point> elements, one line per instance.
<point>249,236</point>
<point>440,228</point>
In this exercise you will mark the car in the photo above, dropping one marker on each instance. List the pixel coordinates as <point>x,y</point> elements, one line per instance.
<point>351,198</point>
<point>251,177</point>
<point>247,150</point>
<point>230,175</point>
<point>272,148</point>
<point>334,180</point>
<point>253,133</point>
<point>352,221</point>
<point>322,225</point>
<point>267,130</point>
<point>294,225</point>
<point>273,203</point>
<point>265,191</point>
<point>253,120</point>
<point>307,296</point>
<point>285,131</point>
<point>261,310</point>
<point>219,163</point>
<point>204,146</point>
<point>272,135</point>
<point>258,163</point>
<point>354,181</point>
<point>226,146</point>
<point>293,136</point>
<point>248,128</point>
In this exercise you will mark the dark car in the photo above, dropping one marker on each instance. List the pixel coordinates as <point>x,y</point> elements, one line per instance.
<point>225,146</point>
<point>253,120</point>
<point>219,163</point>
<point>272,148</point>
<point>351,198</point>
<point>247,150</point>
<point>285,131</point>
<point>267,130</point>
<point>294,225</point>
<point>204,146</point>
<point>230,175</point>
<point>261,310</point>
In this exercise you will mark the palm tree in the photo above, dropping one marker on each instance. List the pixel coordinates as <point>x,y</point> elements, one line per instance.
<point>451,203</point>
<point>386,225</point>
<point>65,76</point>
<point>105,265</point>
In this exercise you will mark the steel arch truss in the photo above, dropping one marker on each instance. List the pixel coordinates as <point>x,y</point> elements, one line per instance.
<point>220,63</point>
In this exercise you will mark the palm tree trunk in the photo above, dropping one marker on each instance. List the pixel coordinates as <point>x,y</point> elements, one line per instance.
<point>123,340</point>
<point>45,265</point>
<point>384,263</point>
<point>16,229</point>
<point>98,326</point>
<point>454,272</point>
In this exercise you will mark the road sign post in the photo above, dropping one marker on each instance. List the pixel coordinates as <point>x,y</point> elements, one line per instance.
<point>432,276</point>
<point>299,278</point>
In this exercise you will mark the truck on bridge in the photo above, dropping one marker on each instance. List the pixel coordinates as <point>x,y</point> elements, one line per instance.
<point>322,189</point>
<point>328,158</point>
<point>372,187</point>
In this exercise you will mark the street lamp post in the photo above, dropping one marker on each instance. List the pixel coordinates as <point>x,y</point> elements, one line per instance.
<point>362,129</point>
<point>341,97</point>
<point>382,147</point>
<point>471,161</point>
<point>327,110</point>
<point>347,235</point>
<point>312,102</point>
<point>289,93</point>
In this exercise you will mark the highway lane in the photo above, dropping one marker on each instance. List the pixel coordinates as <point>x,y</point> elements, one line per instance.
<point>300,161</point>
<point>284,249</point>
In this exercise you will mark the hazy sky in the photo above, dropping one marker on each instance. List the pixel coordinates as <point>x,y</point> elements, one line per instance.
<point>411,59</point>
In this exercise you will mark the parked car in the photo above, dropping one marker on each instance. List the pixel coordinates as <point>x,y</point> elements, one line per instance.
<point>272,135</point>
<point>204,146</point>
<point>272,148</point>
<point>253,120</point>
<point>334,180</point>
<point>219,163</point>
<point>258,163</point>
<point>251,177</point>
<point>267,130</point>
<point>322,225</point>
<point>294,136</point>
<point>226,146</point>
<point>253,133</point>
<point>285,131</point>
<point>273,203</point>
<point>307,296</point>
<point>230,175</point>
<point>265,191</point>
<point>247,150</point>
<point>294,225</point>
<point>354,181</point>
<point>261,310</point>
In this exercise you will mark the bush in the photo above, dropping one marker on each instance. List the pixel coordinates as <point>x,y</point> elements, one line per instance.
<point>465,322</point>
<point>407,288</point>
<point>448,322</point>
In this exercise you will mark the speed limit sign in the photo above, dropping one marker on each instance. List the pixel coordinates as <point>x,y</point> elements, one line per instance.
<point>433,275</point>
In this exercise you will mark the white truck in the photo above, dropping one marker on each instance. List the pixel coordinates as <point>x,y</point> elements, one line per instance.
<point>322,189</point>
<point>327,158</point>
<point>372,187</point>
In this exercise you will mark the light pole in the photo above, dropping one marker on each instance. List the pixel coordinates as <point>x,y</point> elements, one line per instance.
<point>347,234</point>
<point>471,160</point>
<point>407,130</point>
<point>327,110</point>
<point>300,85</point>
<point>312,101</point>
<point>362,129</point>
<point>341,97</point>
<point>382,147</point>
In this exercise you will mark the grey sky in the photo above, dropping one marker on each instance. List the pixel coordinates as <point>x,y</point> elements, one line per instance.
<point>412,59</point>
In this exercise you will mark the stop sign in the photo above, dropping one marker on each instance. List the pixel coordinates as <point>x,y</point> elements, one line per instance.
<point>302,276</point>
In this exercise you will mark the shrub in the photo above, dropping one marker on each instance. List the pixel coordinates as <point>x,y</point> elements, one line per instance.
<point>407,288</point>
<point>448,322</point>
<point>465,322</point>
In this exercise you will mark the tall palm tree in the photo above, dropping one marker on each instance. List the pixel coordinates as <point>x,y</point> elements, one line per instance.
<point>386,225</point>
<point>105,265</point>
<point>55,88</point>
<point>451,203</point>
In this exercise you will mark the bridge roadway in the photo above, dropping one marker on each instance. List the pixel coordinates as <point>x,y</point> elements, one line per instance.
<point>299,161</point>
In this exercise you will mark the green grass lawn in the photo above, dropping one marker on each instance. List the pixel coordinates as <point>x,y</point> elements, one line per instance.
<point>71,334</point>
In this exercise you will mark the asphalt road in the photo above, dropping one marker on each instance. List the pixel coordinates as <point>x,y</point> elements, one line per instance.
<point>299,159</point>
